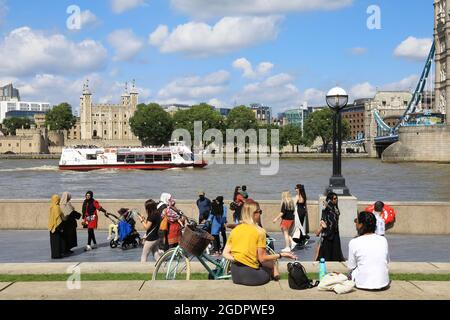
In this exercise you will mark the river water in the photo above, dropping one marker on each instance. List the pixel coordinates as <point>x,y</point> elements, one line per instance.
<point>368,179</point>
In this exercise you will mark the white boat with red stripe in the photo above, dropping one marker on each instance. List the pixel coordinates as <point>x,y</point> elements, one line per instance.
<point>176,155</point>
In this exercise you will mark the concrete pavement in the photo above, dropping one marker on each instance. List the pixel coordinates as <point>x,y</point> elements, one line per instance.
<point>34,246</point>
<point>196,267</point>
<point>210,290</point>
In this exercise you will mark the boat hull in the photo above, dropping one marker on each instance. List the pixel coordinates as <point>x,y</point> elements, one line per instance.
<point>130,166</point>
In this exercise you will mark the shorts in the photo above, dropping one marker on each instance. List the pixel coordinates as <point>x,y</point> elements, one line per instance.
<point>286,224</point>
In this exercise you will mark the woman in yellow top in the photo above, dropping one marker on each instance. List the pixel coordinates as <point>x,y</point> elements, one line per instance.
<point>246,248</point>
<point>55,219</point>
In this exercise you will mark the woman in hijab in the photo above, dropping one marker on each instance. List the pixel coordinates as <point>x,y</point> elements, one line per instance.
<point>55,219</point>
<point>70,223</point>
<point>330,243</point>
<point>90,216</point>
<point>174,220</point>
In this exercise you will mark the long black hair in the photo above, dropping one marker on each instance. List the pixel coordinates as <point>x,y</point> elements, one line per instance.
<point>369,222</point>
<point>151,207</point>
<point>302,192</point>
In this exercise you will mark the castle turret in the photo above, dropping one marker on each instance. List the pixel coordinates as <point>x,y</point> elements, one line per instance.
<point>86,112</point>
<point>126,96</point>
<point>134,96</point>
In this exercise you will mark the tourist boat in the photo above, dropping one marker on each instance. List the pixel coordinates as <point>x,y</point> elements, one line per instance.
<point>176,155</point>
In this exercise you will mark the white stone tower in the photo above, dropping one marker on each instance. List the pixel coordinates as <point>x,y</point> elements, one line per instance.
<point>86,113</point>
<point>442,58</point>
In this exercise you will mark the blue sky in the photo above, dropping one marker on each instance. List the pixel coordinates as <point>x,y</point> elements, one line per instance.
<point>279,53</point>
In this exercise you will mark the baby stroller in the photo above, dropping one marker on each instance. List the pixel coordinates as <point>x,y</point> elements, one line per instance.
<point>124,228</point>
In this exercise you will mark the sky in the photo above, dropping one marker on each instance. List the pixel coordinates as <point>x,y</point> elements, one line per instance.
<point>280,53</point>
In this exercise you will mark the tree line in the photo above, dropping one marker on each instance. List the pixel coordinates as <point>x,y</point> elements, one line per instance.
<point>154,126</point>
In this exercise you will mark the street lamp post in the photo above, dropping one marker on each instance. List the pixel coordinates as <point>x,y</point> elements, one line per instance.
<point>337,100</point>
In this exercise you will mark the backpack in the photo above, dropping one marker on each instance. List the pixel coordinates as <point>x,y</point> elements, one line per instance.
<point>298,279</point>
<point>233,206</point>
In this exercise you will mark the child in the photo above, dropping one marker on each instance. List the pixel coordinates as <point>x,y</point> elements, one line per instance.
<point>113,227</point>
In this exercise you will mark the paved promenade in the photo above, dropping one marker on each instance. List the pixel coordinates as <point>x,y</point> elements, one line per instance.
<point>34,246</point>
<point>208,290</point>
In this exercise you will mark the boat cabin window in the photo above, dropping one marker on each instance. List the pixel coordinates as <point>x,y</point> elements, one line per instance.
<point>157,157</point>
<point>167,157</point>
<point>91,157</point>
<point>140,158</point>
<point>148,158</point>
<point>130,159</point>
<point>121,158</point>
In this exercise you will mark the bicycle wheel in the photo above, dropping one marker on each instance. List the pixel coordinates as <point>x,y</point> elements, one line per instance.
<point>172,265</point>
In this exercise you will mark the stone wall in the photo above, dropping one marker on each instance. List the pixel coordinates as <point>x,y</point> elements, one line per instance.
<point>432,218</point>
<point>420,144</point>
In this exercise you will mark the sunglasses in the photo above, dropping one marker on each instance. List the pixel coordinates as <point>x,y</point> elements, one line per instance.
<point>258,211</point>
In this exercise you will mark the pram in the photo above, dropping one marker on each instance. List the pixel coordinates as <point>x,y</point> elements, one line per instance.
<point>124,228</point>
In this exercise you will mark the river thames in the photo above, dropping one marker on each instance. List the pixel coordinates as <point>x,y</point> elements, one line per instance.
<point>368,179</point>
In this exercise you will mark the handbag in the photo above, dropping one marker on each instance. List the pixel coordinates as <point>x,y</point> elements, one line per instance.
<point>298,279</point>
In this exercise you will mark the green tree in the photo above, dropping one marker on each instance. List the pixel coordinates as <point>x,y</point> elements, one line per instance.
<point>152,124</point>
<point>60,117</point>
<point>269,128</point>
<point>211,119</point>
<point>241,118</point>
<point>292,134</point>
<point>320,124</point>
<point>14,123</point>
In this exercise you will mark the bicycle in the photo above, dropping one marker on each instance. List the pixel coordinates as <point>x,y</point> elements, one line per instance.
<point>175,264</point>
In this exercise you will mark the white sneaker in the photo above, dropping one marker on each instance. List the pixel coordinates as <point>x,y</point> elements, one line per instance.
<point>109,238</point>
<point>293,245</point>
<point>287,249</point>
<point>88,248</point>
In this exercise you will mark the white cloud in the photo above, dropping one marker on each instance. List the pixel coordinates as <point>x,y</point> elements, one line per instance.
<point>217,103</point>
<point>362,90</point>
<point>414,49</point>
<point>88,19</point>
<point>314,96</point>
<point>120,6</point>
<point>27,52</point>
<point>358,51</point>
<point>208,8</point>
<point>276,91</point>
<point>110,92</point>
<point>368,90</point>
<point>406,84</point>
<point>125,44</point>
<point>56,89</point>
<point>195,89</point>
<point>227,35</point>
<point>262,70</point>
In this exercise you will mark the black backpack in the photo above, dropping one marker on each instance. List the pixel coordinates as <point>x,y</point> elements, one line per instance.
<point>298,278</point>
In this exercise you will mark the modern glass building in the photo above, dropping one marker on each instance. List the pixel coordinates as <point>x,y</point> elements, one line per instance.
<point>22,109</point>
<point>8,93</point>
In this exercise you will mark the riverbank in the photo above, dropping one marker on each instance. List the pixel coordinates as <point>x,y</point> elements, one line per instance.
<point>282,156</point>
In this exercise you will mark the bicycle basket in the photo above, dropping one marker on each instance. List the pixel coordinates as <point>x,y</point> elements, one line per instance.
<point>195,240</point>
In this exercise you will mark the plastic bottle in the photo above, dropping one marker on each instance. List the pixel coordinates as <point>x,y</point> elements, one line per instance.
<point>322,269</point>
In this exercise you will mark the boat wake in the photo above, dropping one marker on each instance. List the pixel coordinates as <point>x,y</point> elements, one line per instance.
<point>42,168</point>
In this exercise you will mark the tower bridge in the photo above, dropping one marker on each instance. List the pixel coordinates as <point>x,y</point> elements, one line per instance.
<point>422,132</point>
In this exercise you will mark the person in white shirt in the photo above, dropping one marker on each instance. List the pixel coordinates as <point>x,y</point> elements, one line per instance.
<point>368,256</point>
<point>381,227</point>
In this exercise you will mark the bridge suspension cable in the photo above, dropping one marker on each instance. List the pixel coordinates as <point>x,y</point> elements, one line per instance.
<point>416,98</point>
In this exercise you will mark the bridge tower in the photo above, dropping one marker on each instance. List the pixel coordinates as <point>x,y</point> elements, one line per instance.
<point>442,57</point>
<point>430,143</point>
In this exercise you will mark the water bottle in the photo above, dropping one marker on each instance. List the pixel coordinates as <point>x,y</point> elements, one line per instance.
<point>322,269</point>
